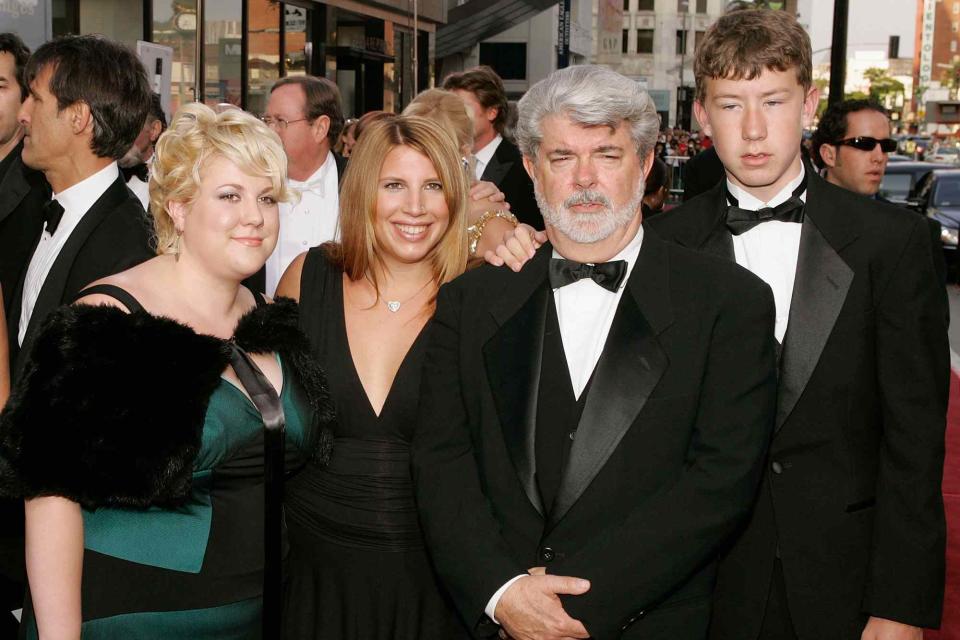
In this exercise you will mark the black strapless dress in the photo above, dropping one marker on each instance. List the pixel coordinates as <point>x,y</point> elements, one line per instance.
<point>358,569</point>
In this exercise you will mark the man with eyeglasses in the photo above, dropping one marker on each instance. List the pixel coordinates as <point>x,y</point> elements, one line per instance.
<point>305,112</point>
<point>851,145</point>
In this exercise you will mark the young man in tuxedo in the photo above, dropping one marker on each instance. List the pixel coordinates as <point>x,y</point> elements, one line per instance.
<point>600,417</point>
<point>88,98</point>
<point>497,159</point>
<point>846,540</point>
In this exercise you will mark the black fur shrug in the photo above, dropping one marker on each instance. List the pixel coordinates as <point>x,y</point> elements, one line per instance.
<point>110,408</point>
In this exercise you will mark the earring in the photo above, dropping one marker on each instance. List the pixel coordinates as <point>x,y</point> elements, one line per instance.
<point>176,247</point>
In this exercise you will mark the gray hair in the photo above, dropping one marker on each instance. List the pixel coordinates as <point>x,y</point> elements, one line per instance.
<point>591,96</point>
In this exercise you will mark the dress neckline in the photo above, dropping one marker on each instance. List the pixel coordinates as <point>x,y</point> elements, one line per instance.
<point>348,353</point>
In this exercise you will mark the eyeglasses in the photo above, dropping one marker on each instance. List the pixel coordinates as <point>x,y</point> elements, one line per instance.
<point>866,143</point>
<point>279,123</point>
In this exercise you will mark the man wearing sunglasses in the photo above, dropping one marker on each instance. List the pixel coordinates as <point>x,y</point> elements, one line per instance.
<point>851,146</point>
<point>852,143</point>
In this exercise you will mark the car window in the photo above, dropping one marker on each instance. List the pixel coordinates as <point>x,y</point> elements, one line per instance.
<point>895,185</point>
<point>923,186</point>
<point>947,193</point>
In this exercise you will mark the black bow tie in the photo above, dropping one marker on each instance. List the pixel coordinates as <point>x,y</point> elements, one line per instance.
<point>139,170</point>
<point>608,275</point>
<point>742,220</point>
<point>52,213</point>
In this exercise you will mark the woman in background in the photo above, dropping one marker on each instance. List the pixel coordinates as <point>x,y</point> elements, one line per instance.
<point>132,439</point>
<point>358,566</point>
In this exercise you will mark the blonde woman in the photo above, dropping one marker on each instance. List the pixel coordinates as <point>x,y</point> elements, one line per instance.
<point>133,439</point>
<point>358,567</point>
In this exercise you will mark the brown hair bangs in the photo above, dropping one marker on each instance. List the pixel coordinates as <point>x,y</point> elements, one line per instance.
<point>744,43</point>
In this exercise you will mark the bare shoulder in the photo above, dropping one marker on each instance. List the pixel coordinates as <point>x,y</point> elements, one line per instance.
<point>289,286</point>
<point>133,281</point>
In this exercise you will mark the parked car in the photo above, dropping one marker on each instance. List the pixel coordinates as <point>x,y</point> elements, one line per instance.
<point>901,178</point>
<point>947,154</point>
<point>938,197</point>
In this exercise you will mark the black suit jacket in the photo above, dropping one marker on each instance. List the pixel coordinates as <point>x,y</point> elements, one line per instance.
<point>505,170</point>
<point>23,192</point>
<point>851,495</point>
<point>701,173</point>
<point>666,458</point>
<point>113,235</point>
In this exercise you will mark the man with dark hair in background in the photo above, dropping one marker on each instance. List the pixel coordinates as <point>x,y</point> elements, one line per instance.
<point>133,165</point>
<point>851,145</point>
<point>305,112</point>
<point>88,99</point>
<point>498,159</point>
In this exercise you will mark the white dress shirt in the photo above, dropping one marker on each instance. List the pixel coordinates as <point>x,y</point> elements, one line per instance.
<point>770,249</point>
<point>308,222</point>
<point>140,189</point>
<point>484,156</point>
<point>76,201</point>
<point>585,312</point>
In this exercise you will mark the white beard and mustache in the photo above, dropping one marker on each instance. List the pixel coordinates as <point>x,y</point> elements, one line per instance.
<point>587,228</point>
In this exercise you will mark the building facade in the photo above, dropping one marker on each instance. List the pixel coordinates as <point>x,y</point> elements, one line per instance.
<point>378,53</point>
<point>938,38</point>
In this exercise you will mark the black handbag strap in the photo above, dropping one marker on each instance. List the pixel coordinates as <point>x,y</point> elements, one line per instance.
<point>265,398</point>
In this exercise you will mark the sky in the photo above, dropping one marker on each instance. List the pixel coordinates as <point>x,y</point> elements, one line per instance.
<point>870,25</point>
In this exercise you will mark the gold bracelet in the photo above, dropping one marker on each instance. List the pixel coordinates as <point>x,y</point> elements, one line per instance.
<point>475,231</point>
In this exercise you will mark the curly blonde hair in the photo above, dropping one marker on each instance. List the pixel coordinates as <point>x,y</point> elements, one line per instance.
<point>196,135</point>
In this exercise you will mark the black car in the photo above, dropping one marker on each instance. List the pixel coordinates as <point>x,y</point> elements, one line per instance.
<point>938,197</point>
<point>900,179</point>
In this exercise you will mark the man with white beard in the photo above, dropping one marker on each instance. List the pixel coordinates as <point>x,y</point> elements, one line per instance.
<point>592,427</point>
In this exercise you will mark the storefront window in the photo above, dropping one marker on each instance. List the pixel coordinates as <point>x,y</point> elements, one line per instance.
<point>175,25</point>
<point>263,38</point>
<point>222,36</point>
<point>295,40</point>
<point>120,20</point>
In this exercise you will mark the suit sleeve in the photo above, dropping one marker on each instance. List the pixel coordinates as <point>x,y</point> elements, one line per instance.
<point>657,545</point>
<point>906,574</point>
<point>462,534</point>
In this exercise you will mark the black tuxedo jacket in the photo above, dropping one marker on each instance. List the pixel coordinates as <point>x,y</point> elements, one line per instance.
<point>113,235</point>
<point>505,170</point>
<point>667,454</point>
<point>701,173</point>
<point>851,495</point>
<point>23,192</point>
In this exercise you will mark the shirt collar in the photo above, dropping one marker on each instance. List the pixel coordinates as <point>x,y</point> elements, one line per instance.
<point>77,199</point>
<point>317,181</point>
<point>629,253</point>
<point>747,201</point>
<point>484,155</point>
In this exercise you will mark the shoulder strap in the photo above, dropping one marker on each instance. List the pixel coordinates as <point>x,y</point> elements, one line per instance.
<point>115,292</point>
<point>267,401</point>
<point>257,297</point>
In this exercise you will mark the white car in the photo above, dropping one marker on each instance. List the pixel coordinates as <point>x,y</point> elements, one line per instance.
<point>950,155</point>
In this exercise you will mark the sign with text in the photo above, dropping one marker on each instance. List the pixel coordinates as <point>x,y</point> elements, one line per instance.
<point>610,27</point>
<point>32,20</point>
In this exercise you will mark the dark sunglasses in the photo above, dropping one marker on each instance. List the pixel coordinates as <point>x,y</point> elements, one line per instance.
<point>866,143</point>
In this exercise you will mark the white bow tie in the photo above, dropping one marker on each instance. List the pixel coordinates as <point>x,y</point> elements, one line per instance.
<point>314,186</point>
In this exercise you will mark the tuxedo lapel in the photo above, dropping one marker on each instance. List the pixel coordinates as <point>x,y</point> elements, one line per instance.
<point>629,369</point>
<point>819,291</point>
<point>54,286</point>
<point>513,359</point>
<point>499,164</point>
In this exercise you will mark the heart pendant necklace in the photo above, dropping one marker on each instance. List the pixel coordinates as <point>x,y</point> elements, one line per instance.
<point>394,305</point>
